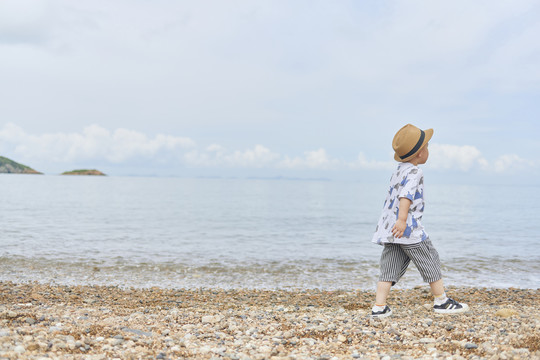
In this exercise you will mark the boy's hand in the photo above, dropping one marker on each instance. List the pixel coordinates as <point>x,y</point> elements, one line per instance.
<point>399,228</point>
<point>401,222</point>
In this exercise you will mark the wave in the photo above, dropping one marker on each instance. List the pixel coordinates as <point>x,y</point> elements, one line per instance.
<point>329,274</point>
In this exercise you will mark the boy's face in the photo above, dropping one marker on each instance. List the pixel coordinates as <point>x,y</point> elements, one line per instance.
<point>423,155</point>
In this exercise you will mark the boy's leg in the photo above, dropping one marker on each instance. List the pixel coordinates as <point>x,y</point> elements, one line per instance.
<point>426,259</point>
<point>380,309</point>
<point>383,289</point>
<point>393,265</point>
<point>437,288</point>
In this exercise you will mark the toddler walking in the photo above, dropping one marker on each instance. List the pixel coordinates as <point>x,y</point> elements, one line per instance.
<point>400,228</point>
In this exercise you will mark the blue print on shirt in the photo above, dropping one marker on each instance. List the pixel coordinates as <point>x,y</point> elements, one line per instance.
<point>391,203</point>
<point>404,181</point>
<point>409,196</point>
<point>407,232</point>
<point>414,223</point>
<point>418,195</point>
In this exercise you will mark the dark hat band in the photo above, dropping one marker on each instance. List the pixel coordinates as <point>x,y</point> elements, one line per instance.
<point>416,147</point>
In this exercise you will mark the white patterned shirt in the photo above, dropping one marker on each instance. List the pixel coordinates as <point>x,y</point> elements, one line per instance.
<point>406,182</point>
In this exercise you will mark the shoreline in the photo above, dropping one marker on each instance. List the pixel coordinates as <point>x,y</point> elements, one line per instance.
<point>40,321</point>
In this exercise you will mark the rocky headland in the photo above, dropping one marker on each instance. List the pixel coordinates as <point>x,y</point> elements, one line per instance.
<point>94,322</point>
<point>8,166</point>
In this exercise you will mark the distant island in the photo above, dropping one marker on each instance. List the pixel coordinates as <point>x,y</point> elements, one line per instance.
<point>92,172</point>
<point>8,166</point>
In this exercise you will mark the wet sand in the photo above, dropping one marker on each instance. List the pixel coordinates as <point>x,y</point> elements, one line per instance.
<point>40,321</point>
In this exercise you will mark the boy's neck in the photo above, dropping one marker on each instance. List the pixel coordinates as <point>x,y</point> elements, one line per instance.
<point>415,163</point>
<point>416,160</point>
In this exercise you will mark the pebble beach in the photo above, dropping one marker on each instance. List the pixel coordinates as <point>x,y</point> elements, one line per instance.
<point>43,321</point>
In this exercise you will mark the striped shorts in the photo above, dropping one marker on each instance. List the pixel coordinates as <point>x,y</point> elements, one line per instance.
<point>395,259</point>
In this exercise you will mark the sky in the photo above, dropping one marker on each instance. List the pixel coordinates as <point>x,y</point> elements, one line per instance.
<point>308,89</point>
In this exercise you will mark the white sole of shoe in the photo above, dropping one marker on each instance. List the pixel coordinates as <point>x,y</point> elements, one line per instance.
<point>465,308</point>
<point>382,315</point>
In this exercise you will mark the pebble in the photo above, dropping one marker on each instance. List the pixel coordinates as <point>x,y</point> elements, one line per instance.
<point>137,332</point>
<point>261,324</point>
<point>488,347</point>
<point>427,341</point>
<point>506,313</point>
<point>341,338</point>
<point>209,319</point>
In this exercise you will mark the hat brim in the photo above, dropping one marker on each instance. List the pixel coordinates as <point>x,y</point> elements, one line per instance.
<point>429,134</point>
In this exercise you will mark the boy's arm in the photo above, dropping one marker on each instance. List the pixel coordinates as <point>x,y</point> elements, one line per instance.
<point>401,222</point>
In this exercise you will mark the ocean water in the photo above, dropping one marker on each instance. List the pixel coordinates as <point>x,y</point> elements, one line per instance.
<point>269,234</point>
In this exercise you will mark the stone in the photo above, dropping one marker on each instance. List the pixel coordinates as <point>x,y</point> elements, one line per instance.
<point>116,342</point>
<point>506,312</point>
<point>11,315</point>
<point>137,332</point>
<point>487,347</point>
<point>209,319</point>
<point>341,338</point>
<point>470,346</point>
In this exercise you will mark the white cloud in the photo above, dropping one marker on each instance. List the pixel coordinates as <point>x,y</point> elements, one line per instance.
<point>94,142</point>
<point>217,155</point>
<point>450,157</point>
<point>316,159</point>
<point>364,163</point>
<point>256,157</point>
<point>216,148</point>
<point>466,158</point>
<point>511,162</point>
<point>124,146</point>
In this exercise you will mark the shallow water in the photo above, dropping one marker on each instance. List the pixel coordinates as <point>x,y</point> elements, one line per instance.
<point>172,232</point>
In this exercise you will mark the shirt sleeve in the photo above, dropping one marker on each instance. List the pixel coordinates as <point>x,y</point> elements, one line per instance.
<point>409,184</point>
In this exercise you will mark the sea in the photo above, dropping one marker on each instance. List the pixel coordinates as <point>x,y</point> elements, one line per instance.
<point>253,233</point>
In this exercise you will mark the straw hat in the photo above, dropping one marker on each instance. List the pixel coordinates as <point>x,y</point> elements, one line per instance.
<point>408,141</point>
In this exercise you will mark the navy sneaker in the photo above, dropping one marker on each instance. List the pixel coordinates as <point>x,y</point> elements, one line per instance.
<point>451,306</point>
<point>382,314</point>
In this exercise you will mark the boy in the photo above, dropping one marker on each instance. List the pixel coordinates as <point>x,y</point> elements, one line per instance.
<point>400,228</point>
